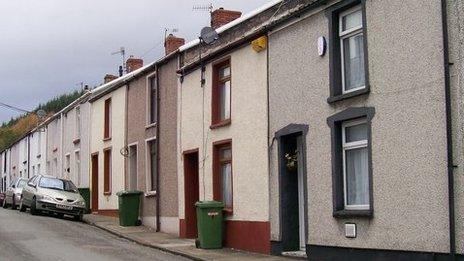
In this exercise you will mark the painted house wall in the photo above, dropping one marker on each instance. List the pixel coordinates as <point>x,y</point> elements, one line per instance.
<point>54,149</point>
<point>38,148</point>
<point>248,132</point>
<point>139,133</point>
<point>456,41</point>
<point>23,157</point>
<point>408,129</point>
<point>75,142</point>
<point>97,144</point>
<point>14,159</point>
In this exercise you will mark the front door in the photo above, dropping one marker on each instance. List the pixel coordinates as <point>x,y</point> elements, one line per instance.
<point>94,182</point>
<point>292,190</point>
<point>192,193</point>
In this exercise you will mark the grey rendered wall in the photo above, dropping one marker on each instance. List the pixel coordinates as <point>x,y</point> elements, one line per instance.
<point>456,41</point>
<point>408,130</point>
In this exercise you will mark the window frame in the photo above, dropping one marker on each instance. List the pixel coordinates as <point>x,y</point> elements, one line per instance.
<point>149,121</point>
<point>351,146</point>
<point>149,178</point>
<point>337,86</point>
<point>337,122</point>
<point>107,171</point>
<point>107,122</point>
<point>216,120</point>
<point>217,175</point>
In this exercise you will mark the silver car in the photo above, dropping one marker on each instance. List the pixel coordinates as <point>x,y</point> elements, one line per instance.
<point>13,193</point>
<point>54,195</point>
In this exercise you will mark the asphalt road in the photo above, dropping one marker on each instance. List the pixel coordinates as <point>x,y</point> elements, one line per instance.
<point>27,237</point>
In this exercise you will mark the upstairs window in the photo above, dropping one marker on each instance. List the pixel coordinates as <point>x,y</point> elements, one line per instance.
<point>152,100</point>
<point>107,120</point>
<point>352,50</point>
<point>348,50</point>
<point>221,96</point>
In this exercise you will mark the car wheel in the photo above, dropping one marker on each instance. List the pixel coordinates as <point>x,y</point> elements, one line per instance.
<point>78,217</point>
<point>13,205</point>
<point>34,207</point>
<point>22,207</point>
<point>59,215</point>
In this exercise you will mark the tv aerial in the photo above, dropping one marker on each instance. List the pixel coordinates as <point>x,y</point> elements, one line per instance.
<point>122,52</point>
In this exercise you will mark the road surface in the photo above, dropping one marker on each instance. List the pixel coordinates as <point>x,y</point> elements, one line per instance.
<point>30,238</point>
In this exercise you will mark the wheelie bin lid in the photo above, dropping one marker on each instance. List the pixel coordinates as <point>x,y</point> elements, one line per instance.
<point>129,192</point>
<point>209,204</point>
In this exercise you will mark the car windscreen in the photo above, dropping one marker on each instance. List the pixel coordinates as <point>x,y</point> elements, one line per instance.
<point>58,184</point>
<point>22,183</point>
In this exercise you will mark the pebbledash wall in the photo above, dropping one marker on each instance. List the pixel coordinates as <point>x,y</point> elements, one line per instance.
<point>109,202</point>
<point>76,141</point>
<point>409,148</point>
<point>248,134</point>
<point>141,133</point>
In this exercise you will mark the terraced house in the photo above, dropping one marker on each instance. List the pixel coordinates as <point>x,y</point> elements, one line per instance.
<point>223,132</point>
<point>151,138</point>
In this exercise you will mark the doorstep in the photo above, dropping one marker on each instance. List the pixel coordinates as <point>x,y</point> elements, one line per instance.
<point>166,242</point>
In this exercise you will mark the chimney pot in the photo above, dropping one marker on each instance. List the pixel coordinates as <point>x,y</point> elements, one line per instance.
<point>221,16</point>
<point>173,43</point>
<point>133,64</point>
<point>108,78</point>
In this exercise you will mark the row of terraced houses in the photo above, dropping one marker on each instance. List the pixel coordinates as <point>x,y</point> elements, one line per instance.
<point>333,127</point>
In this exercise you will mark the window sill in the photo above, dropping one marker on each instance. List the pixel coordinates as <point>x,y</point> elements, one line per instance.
<point>220,124</point>
<point>345,96</point>
<point>228,211</point>
<point>151,125</point>
<point>107,139</point>
<point>108,193</point>
<point>353,213</point>
<point>150,194</point>
<point>76,141</point>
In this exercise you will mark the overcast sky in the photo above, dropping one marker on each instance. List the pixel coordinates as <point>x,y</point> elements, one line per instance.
<point>48,47</point>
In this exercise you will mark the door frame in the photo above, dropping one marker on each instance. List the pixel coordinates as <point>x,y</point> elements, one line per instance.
<point>95,183</point>
<point>190,232</point>
<point>129,177</point>
<point>297,130</point>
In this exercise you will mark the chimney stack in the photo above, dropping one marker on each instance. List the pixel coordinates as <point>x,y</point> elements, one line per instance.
<point>133,64</point>
<point>220,17</point>
<point>172,43</point>
<point>109,77</point>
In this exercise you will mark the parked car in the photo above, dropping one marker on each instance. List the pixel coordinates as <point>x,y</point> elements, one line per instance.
<point>2,198</point>
<point>13,193</point>
<point>54,195</point>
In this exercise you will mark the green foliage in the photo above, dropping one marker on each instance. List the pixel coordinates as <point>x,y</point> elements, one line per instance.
<point>13,129</point>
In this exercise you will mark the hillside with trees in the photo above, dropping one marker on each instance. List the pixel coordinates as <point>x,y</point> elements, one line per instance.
<point>17,127</point>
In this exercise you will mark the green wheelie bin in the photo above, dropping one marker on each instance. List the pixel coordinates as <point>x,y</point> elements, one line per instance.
<point>85,193</point>
<point>129,202</point>
<point>209,223</point>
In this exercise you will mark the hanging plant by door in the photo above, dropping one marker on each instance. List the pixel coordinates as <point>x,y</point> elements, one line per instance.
<point>292,160</point>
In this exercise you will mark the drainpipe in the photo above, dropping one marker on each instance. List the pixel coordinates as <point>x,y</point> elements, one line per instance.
<point>449,133</point>
<point>60,150</point>
<point>158,223</point>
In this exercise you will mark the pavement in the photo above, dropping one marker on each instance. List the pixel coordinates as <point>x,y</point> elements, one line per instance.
<point>169,243</point>
<point>24,237</point>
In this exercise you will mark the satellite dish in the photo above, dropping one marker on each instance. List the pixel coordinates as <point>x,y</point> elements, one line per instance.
<point>41,113</point>
<point>208,35</point>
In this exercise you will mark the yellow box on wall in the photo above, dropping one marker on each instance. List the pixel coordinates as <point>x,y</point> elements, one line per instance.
<point>259,44</point>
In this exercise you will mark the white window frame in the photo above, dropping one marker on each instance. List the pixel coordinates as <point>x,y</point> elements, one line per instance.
<point>148,122</point>
<point>350,146</point>
<point>347,34</point>
<point>78,167</point>
<point>136,145</point>
<point>149,180</point>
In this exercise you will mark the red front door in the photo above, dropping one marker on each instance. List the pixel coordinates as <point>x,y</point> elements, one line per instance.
<point>95,183</point>
<point>192,193</point>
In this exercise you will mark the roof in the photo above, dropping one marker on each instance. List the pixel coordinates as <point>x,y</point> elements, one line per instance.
<point>235,22</point>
